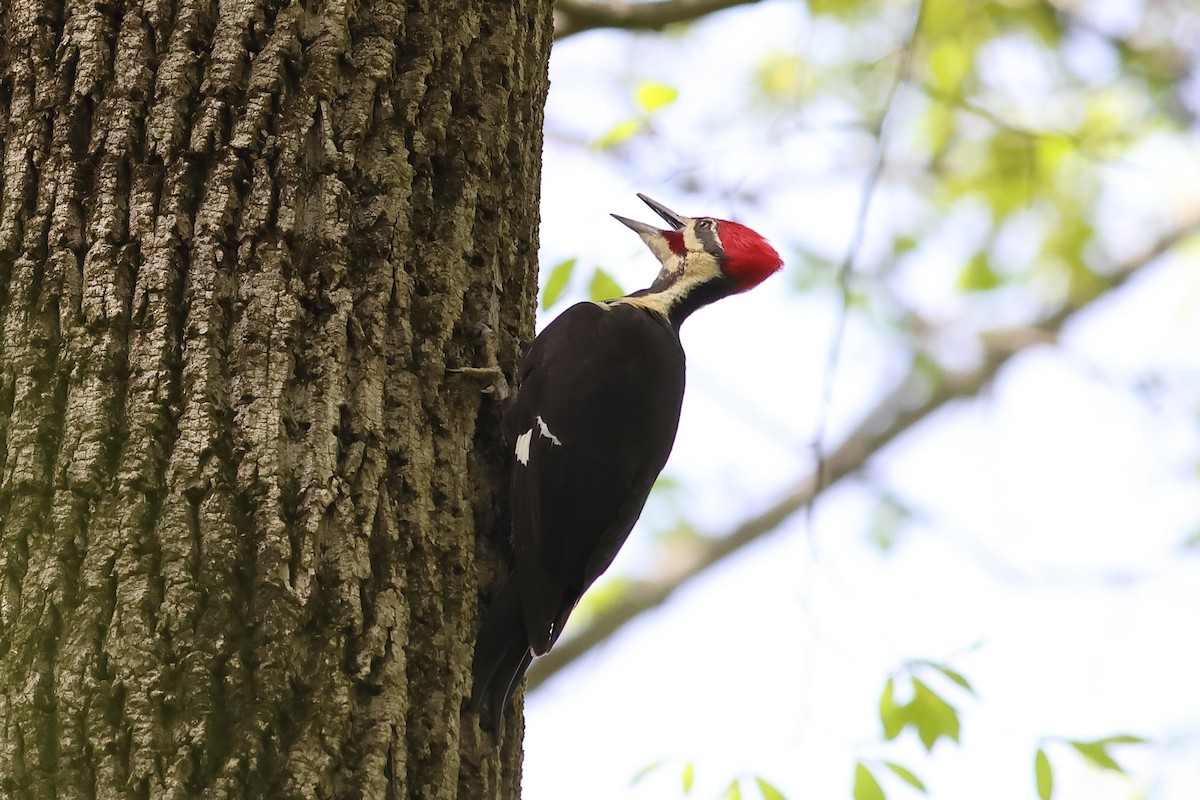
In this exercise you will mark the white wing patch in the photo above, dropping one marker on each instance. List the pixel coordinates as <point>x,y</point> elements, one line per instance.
<point>546,432</point>
<point>526,439</point>
<point>523,442</point>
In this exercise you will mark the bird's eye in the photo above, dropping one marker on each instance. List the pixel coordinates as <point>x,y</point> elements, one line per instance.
<point>707,224</point>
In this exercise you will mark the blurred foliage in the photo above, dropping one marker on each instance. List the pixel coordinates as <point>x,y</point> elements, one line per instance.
<point>767,790</point>
<point>1192,541</point>
<point>556,281</point>
<point>933,718</point>
<point>906,775</point>
<point>600,597</point>
<point>1010,119</point>
<point>649,98</point>
<point>926,712</point>
<point>1006,133</point>
<point>1095,752</point>
<point>603,286</point>
<point>889,519</point>
<point>1003,128</point>
<point>866,787</point>
<point>1043,775</point>
<point>740,788</point>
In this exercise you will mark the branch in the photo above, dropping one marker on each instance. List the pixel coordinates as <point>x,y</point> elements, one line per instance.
<point>577,16</point>
<point>846,268</point>
<point>909,404</point>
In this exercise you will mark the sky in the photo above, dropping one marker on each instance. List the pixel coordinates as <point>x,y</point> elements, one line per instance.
<point>1043,557</point>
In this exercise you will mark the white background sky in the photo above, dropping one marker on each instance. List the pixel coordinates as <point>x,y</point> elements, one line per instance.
<point>1046,565</point>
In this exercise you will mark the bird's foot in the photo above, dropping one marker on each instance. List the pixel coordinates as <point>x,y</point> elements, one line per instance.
<point>491,377</point>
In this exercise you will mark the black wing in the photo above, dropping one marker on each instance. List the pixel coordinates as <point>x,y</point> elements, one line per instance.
<point>593,423</point>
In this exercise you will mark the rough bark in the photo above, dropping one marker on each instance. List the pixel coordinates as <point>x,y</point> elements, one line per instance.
<point>240,243</point>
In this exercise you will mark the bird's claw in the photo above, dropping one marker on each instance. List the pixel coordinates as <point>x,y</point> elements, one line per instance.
<point>493,379</point>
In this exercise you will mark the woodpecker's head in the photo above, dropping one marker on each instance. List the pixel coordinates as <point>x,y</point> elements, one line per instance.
<point>703,259</point>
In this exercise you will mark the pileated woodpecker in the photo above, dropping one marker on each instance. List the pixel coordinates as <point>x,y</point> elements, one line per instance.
<point>591,426</point>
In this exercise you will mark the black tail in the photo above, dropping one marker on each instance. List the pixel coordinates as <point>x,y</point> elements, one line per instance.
<point>501,653</point>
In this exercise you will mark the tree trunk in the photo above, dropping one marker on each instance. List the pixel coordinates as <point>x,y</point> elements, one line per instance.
<point>240,243</point>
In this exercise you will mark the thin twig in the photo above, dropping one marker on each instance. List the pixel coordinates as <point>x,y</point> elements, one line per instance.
<point>846,268</point>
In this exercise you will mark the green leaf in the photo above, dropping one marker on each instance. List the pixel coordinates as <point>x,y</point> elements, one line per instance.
<point>943,18</point>
<point>1044,775</point>
<point>781,77</point>
<point>620,133</point>
<point>925,366</point>
<point>1121,738</point>
<point>1106,114</point>
<point>865,785</point>
<point>841,8</point>
<point>1096,753</point>
<point>903,243</point>
<point>949,61</point>
<point>602,596</point>
<point>603,287</point>
<point>887,522</point>
<point>1042,20</point>
<point>937,127</point>
<point>953,675</point>
<point>689,777</point>
<point>891,715</point>
<point>644,771</point>
<point>1064,251</point>
<point>1010,178</point>
<point>666,483</point>
<point>978,275</point>
<point>556,281</point>
<point>932,716</point>
<point>652,96</point>
<point>1192,541</point>
<point>733,791</point>
<point>1052,150</point>
<point>768,791</point>
<point>907,776</point>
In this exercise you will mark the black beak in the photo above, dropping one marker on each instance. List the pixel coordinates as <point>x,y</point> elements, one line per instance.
<point>674,220</point>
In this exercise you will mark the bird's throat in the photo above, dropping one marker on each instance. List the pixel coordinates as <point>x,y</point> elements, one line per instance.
<point>677,299</point>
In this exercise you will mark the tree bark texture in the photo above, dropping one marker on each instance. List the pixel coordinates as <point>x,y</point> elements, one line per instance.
<point>240,243</point>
